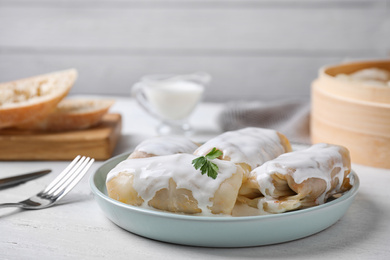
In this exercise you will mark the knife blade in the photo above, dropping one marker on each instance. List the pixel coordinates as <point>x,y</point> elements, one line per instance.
<point>15,180</point>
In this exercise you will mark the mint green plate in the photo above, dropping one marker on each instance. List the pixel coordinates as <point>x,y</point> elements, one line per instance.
<point>218,231</point>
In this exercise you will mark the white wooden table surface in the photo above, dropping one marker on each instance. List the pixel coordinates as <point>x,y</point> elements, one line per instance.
<point>77,229</point>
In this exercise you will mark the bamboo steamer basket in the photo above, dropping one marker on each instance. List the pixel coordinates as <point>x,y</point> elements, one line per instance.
<point>352,113</point>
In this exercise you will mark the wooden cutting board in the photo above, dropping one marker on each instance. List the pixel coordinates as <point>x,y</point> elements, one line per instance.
<point>97,142</point>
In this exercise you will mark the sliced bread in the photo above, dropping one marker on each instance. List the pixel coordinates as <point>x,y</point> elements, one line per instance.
<point>72,114</point>
<point>32,99</point>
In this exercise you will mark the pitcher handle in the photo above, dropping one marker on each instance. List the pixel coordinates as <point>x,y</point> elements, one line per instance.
<point>139,95</point>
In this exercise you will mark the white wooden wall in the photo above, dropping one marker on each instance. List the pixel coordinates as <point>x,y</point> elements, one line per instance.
<point>254,49</point>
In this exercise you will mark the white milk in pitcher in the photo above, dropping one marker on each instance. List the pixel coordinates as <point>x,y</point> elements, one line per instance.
<point>173,99</point>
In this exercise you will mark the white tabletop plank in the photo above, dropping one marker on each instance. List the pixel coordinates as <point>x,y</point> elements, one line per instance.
<point>77,229</point>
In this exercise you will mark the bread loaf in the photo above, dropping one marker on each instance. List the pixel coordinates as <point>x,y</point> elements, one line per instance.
<point>33,99</point>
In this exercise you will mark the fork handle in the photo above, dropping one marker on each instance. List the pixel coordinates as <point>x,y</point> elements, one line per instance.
<point>7,205</point>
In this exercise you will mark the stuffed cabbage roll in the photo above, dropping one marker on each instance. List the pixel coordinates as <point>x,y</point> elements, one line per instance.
<point>299,179</point>
<point>163,145</point>
<point>249,147</point>
<point>171,183</point>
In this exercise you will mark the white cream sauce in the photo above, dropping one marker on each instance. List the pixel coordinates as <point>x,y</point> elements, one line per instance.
<point>166,145</point>
<point>173,99</point>
<point>313,162</point>
<point>153,174</point>
<point>251,145</point>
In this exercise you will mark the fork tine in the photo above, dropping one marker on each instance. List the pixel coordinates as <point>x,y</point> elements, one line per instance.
<point>61,175</point>
<point>65,175</point>
<point>69,185</point>
<point>69,178</point>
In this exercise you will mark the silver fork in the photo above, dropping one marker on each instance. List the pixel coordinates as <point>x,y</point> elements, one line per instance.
<point>58,188</point>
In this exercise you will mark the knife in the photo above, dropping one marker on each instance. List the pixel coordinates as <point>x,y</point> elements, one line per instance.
<point>15,180</point>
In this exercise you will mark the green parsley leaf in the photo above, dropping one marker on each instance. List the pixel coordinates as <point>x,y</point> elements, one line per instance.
<point>205,165</point>
<point>199,162</point>
<point>214,153</point>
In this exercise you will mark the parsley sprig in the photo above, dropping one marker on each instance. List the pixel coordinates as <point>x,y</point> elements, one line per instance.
<point>205,165</point>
